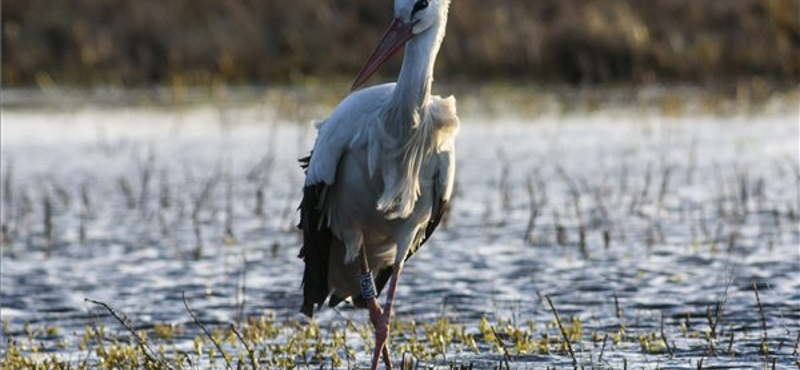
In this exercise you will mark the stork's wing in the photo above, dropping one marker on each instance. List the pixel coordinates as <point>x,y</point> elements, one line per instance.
<point>342,130</point>
<point>315,251</point>
<point>347,127</point>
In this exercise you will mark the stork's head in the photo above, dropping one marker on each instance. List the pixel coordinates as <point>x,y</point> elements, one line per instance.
<point>411,18</point>
<point>420,15</point>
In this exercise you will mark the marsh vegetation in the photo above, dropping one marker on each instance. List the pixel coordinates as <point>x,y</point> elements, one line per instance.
<point>204,42</point>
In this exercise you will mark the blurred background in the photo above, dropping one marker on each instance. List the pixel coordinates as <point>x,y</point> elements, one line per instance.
<point>267,42</point>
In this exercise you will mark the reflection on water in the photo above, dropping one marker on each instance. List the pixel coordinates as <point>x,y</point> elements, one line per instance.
<point>639,215</point>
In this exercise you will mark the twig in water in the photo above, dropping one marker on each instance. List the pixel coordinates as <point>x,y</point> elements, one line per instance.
<point>47,204</point>
<point>717,234</point>
<point>205,193</point>
<point>505,183</point>
<point>127,192</point>
<point>164,200</point>
<point>619,310</point>
<point>230,238</point>
<point>250,354</point>
<point>623,181</point>
<point>146,350</point>
<point>262,170</point>
<point>24,212</point>
<point>730,344</point>
<point>259,209</point>
<point>199,202</point>
<point>601,205</point>
<point>84,213</point>
<point>664,337</point>
<point>721,305</point>
<point>603,348</point>
<point>732,240</point>
<point>86,201</point>
<point>241,292</point>
<point>561,231</point>
<point>636,203</point>
<point>8,185</point>
<point>506,356</point>
<point>198,237</point>
<point>261,174</point>
<point>764,340</point>
<point>206,332</point>
<point>146,171</point>
<point>796,168</point>
<point>692,162</point>
<point>7,191</point>
<point>289,208</point>
<point>712,334</point>
<point>563,332</point>
<point>573,191</point>
<point>61,193</point>
<point>664,185</point>
<point>536,204</point>
<point>744,192</point>
<point>582,241</point>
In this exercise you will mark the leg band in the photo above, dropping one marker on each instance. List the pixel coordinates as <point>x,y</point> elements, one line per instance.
<point>367,285</point>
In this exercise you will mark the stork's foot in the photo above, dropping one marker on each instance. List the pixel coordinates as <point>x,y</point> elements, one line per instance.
<point>387,359</point>
<point>380,321</point>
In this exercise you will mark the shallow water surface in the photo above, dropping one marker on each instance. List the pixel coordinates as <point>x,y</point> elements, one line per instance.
<point>641,219</point>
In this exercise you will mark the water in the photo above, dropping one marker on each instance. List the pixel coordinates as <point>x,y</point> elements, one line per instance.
<point>136,206</point>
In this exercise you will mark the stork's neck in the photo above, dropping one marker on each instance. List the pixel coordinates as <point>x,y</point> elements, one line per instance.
<point>414,83</point>
<point>416,75</point>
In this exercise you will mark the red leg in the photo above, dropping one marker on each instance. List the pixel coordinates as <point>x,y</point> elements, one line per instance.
<point>381,333</point>
<point>378,321</point>
<point>375,312</point>
<point>387,360</point>
<point>376,317</point>
<point>382,323</point>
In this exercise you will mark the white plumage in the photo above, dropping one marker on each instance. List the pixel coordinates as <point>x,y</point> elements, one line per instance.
<point>381,172</point>
<point>381,191</point>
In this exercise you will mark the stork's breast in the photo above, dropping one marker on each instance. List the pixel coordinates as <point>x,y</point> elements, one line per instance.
<point>443,113</point>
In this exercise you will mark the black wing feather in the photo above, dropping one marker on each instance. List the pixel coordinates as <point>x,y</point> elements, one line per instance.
<point>317,240</point>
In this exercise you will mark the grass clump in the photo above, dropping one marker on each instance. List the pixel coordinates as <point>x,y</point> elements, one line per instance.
<point>265,342</point>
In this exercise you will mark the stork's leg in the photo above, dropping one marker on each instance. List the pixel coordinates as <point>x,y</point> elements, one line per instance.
<point>375,313</point>
<point>381,333</point>
<point>382,324</point>
<point>382,329</point>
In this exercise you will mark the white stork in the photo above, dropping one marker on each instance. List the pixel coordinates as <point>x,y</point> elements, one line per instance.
<point>380,175</point>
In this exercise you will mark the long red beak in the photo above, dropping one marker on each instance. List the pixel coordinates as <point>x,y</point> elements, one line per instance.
<point>394,39</point>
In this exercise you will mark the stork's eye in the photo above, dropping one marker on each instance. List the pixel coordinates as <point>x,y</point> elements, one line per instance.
<point>421,4</point>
